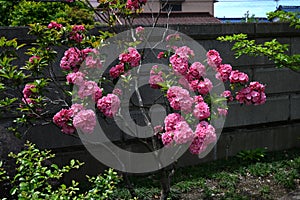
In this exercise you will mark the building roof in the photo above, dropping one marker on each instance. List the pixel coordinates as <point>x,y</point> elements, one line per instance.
<point>176,18</point>
<point>242,19</point>
<point>289,8</point>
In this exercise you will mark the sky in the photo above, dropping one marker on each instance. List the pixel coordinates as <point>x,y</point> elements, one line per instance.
<point>238,8</point>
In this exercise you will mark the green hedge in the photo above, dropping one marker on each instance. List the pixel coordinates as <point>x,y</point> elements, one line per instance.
<point>22,12</point>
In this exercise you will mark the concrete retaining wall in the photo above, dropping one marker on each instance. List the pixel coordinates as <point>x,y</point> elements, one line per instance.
<point>275,125</point>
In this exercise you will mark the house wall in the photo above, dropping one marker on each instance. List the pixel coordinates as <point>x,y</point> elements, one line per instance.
<point>187,6</point>
<point>275,125</point>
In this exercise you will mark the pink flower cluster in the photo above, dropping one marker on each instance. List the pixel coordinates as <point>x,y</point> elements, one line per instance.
<point>132,57</point>
<point>76,78</point>
<point>203,86</point>
<point>85,120</point>
<point>204,135</point>
<point>55,25</point>
<point>179,60</point>
<point>196,71</point>
<point>201,110</point>
<point>76,33</point>
<point>28,94</point>
<point>223,72</point>
<point>75,117</point>
<point>180,99</point>
<point>63,119</point>
<point>127,60</point>
<point>117,70</point>
<point>155,77</point>
<point>213,58</point>
<point>139,30</point>
<point>174,36</point>
<point>72,59</point>
<point>238,77</point>
<point>109,105</point>
<point>34,59</point>
<point>90,88</point>
<point>180,65</point>
<point>227,94</point>
<point>135,4</point>
<point>177,130</point>
<point>253,94</point>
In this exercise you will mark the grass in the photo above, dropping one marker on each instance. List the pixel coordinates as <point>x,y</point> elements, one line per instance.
<point>271,177</point>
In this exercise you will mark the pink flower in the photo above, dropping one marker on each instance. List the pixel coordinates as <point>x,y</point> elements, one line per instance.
<point>201,111</point>
<point>198,99</point>
<point>184,83</point>
<point>167,139</point>
<point>158,129</point>
<point>55,25</point>
<point>135,57</point>
<point>204,135</point>
<point>196,71</point>
<point>76,78</point>
<point>227,94</point>
<point>97,94</point>
<point>222,111</point>
<point>238,77</point>
<point>155,77</point>
<point>174,36</point>
<point>63,119</point>
<point>184,52</point>
<point>117,70</point>
<point>89,88</point>
<point>183,133</point>
<point>77,28</point>
<point>205,86</point>
<point>213,59</point>
<point>117,91</point>
<point>85,120</point>
<point>139,30</point>
<point>76,108</point>
<point>179,99</point>
<point>180,65</point>
<point>92,63</point>
<point>72,59</point>
<point>171,120</point>
<point>76,33</point>
<point>27,91</point>
<point>33,59</point>
<point>132,57</point>
<point>253,94</point>
<point>223,72</point>
<point>132,5</point>
<point>160,55</point>
<point>109,105</point>
<point>154,81</point>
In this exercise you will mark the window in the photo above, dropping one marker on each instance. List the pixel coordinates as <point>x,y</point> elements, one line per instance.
<point>171,5</point>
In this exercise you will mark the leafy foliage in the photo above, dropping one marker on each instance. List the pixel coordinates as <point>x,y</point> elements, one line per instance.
<point>35,179</point>
<point>273,50</point>
<point>22,12</point>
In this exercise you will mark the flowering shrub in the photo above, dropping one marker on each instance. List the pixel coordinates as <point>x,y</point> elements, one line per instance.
<point>185,85</point>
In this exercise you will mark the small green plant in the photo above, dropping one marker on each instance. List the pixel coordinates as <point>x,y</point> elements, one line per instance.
<point>265,191</point>
<point>252,155</point>
<point>35,179</point>
<point>2,173</point>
